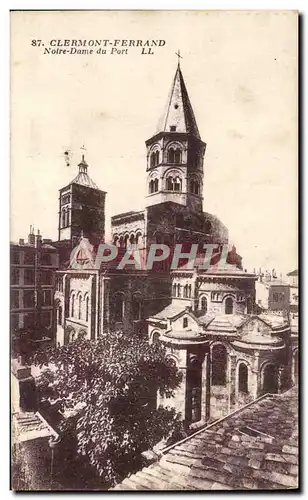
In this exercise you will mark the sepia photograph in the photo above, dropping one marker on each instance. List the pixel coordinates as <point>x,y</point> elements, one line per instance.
<point>154,284</point>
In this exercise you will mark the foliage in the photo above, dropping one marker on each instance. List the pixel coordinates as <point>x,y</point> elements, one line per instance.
<point>107,390</point>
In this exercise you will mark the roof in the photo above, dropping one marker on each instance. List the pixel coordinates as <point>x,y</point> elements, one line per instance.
<point>179,110</point>
<point>293,273</point>
<point>82,177</point>
<point>253,448</point>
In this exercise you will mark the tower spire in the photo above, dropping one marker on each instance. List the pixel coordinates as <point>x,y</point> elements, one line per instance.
<point>178,115</point>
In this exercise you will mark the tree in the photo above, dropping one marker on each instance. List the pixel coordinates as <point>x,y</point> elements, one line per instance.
<point>106,389</point>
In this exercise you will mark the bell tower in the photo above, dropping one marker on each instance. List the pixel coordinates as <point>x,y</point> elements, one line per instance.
<point>81,209</point>
<point>175,153</point>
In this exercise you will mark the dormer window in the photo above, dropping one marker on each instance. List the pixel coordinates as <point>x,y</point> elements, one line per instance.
<point>185,322</point>
<point>172,128</point>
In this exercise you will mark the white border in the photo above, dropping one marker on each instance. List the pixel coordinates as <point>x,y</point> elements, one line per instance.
<point>4,137</point>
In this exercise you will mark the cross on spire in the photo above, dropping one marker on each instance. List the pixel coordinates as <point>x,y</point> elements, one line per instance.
<point>178,53</point>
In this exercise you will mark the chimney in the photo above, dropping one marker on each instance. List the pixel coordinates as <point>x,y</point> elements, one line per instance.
<point>38,237</point>
<point>31,236</point>
<point>21,241</point>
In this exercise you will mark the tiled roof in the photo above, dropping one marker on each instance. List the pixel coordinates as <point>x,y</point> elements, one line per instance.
<point>253,448</point>
<point>84,180</point>
<point>171,310</point>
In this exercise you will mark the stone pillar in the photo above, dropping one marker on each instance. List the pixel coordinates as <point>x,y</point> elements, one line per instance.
<point>205,395</point>
<point>231,382</point>
<point>254,378</point>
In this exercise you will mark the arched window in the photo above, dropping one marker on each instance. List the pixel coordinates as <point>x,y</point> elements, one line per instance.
<point>177,184</point>
<point>116,241</point>
<point>126,238</point>
<point>174,155</point>
<point>189,291</point>
<point>203,305</point>
<point>155,185</point>
<point>219,365</point>
<point>72,305</point>
<point>79,307</point>
<point>174,184</point>
<point>179,290</point>
<point>174,289</point>
<point>169,183</point>
<point>82,334</point>
<point>229,305</point>
<point>154,158</point>
<point>87,308</point>
<point>155,338</point>
<point>270,379</point>
<point>136,308</point>
<point>185,322</point>
<point>132,240</point>
<point>185,291</point>
<point>118,307</point>
<point>243,378</point>
<point>121,242</point>
<point>194,391</point>
<point>151,186</point>
<point>67,222</point>
<point>194,186</point>
<point>60,316</point>
<point>63,217</point>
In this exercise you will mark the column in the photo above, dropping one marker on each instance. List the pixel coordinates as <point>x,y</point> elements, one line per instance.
<point>205,395</point>
<point>232,382</point>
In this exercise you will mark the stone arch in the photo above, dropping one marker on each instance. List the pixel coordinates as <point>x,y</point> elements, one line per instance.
<point>229,304</point>
<point>126,240</point>
<point>203,303</point>
<point>269,377</point>
<point>219,364</point>
<point>194,184</point>
<point>116,240</point>
<point>69,335</point>
<point>173,357</point>
<point>121,241</point>
<point>194,390</point>
<point>139,241</point>
<point>154,337</point>
<point>82,333</point>
<point>242,376</point>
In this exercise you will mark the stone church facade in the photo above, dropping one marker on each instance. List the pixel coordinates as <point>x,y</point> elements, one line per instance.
<point>206,319</point>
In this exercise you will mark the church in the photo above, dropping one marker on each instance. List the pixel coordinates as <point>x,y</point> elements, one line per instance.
<point>206,318</point>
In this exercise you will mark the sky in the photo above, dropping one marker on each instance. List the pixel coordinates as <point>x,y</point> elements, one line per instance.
<point>240,70</point>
